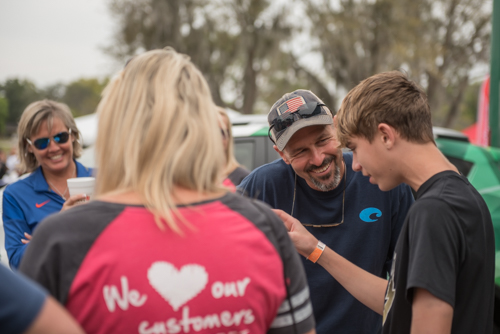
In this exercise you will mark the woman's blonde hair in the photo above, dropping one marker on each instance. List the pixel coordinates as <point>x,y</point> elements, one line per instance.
<point>231,162</point>
<point>29,125</point>
<point>158,128</point>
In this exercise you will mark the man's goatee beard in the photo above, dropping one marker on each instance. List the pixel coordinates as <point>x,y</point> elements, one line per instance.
<point>331,185</point>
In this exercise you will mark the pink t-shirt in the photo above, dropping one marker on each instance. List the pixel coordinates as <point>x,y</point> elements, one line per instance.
<point>224,274</point>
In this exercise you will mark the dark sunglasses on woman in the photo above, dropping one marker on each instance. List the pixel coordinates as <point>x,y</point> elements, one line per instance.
<point>43,143</point>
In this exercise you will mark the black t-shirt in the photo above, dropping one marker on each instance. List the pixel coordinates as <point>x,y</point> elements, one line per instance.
<point>446,247</point>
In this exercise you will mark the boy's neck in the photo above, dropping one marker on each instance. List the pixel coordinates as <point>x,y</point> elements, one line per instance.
<point>421,162</point>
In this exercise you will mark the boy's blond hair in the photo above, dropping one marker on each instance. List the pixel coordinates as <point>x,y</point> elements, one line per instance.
<point>389,98</point>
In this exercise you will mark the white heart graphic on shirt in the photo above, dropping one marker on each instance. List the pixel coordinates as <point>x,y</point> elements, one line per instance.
<point>177,287</point>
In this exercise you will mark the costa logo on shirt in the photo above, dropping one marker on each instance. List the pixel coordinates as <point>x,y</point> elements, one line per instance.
<point>368,215</point>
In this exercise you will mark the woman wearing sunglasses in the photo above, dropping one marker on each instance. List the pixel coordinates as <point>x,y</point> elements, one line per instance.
<point>164,248</point>
<point>48,147</point>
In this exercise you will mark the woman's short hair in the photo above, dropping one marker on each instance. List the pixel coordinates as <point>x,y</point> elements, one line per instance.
<point>231,162</point>
<point>158,128</point>
<point>29,125</point>
<point>388,97</point>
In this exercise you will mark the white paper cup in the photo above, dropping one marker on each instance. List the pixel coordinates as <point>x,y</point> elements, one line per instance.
<point>81,185</point>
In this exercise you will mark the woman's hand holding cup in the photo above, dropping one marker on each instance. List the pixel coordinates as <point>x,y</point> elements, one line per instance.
<point>80,189</point>
<point>75,200</point>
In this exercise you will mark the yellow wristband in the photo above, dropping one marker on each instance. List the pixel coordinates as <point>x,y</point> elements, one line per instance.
<point>314,256</point>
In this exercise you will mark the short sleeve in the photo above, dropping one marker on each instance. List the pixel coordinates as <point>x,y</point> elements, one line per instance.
<point>248,185</point>
<point>436,245</point>
<point>296,310</point>
<point>22,301</point>
<point>404,201</point>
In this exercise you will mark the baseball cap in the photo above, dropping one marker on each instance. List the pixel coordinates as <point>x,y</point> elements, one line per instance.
<point>294,111</point>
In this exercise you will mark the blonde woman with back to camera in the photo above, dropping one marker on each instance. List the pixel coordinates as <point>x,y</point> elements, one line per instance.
<point>48,145</point>
<point>161,248</point>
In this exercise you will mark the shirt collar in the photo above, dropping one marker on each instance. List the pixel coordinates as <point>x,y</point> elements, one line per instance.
<point>40,184</point>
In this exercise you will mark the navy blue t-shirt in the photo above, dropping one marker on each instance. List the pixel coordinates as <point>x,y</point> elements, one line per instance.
<point>20,302</point>
<point>367,237</point>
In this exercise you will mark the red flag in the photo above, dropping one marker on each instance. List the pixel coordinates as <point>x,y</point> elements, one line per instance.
<point>483,121</point>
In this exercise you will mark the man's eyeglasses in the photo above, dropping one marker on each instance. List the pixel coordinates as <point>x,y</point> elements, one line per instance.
<point>43,143</point>
<point>285,120</point>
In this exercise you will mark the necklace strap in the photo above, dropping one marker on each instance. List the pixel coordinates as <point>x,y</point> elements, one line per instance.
<point>53,187</point>
<point>57,191</point>
<point>343,200</point>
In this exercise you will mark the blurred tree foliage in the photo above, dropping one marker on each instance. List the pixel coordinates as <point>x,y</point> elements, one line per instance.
<point>82,96</point>
<point>19,93</point>
<point>436,42</point>
<point>232,42</point>
<point>469,106</point>
<point>4,112</point>
<point>253,51</point>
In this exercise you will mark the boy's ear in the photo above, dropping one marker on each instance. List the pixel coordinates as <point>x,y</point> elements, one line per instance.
<point>335,121</point>
<point>282,155</point>
<point>387,134</point>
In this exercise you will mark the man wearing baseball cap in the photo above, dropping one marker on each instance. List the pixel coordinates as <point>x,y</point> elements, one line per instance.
<point>314,182</point>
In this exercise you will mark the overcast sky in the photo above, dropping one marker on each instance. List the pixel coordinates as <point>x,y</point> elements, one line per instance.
<point>49,41</point>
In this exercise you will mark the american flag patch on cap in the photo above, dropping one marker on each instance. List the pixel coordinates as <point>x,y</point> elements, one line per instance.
<point>291,105</point>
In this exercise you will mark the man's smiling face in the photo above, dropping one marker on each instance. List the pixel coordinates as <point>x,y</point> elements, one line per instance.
<point>314,155</point>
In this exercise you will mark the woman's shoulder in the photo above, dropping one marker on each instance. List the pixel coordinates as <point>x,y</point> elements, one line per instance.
<point>24,183</point>
<point>83,171</point>
<point>94,215</point>
<point>251,208</point>
<point>238,174</point>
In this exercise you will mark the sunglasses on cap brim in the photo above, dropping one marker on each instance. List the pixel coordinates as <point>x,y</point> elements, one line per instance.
<point>43,143</point>
<point>285,120</point>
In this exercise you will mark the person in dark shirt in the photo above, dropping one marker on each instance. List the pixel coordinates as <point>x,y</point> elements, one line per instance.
<point>26,308</point>
<point>314,182</point>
